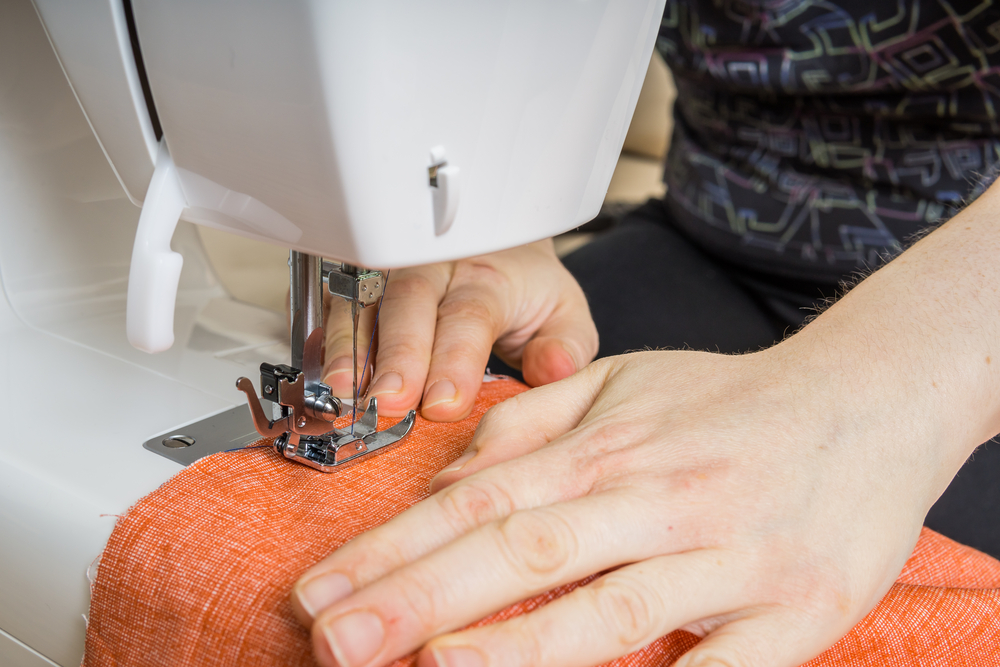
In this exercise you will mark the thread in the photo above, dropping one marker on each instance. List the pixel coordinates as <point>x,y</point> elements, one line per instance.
<point>243,449</point>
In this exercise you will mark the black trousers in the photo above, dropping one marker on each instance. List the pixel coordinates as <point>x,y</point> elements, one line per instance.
<point>649,287</point>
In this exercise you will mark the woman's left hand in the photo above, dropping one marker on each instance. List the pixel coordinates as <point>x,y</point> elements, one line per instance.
<point>764,501</point>
<point>747,499</point>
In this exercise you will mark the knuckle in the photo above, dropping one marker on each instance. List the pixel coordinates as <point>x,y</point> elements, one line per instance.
<point>380,555</point>
<point>600,459</point>
<point>339,338</point>
<point>474,503</point>
<point>404,349</point>
<point>623,608</point>
<point>480,270</point>
<point>412,286</point>
<point>531,644</point>
<point>424,597</point>
<point>468,308</point>
<point>537,543</point>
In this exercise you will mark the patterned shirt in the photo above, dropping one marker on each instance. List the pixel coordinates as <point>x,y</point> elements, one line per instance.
<point>813,138</point>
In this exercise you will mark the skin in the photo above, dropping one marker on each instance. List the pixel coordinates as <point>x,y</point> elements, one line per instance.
<point>765,502</point>
<point>438,324</point>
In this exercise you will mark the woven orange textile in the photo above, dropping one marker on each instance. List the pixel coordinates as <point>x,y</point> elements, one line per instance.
<point>199,571</point>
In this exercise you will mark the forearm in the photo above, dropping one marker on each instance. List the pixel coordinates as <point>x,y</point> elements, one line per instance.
<point>918,342</point>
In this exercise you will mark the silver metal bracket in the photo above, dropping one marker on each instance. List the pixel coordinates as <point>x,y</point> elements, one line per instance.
<point>327,452</point>
<point>362,286</point>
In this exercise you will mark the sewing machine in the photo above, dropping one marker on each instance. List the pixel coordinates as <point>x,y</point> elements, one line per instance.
<point>374,134</point>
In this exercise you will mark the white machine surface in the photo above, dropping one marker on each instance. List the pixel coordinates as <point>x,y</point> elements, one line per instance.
<point>383,134</point>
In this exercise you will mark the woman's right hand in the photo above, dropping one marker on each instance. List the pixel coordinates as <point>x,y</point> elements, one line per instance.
<point>439,323</point>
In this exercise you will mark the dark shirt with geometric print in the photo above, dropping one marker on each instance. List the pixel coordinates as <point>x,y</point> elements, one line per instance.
<point>814,138</point>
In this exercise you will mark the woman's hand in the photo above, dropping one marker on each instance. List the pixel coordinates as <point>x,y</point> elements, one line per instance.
<point>764,501</point>
<point>755,500</point>
<point>438,324</point>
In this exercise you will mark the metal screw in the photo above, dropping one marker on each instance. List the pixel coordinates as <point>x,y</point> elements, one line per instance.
<point>268,389</point>
<point>302,422</point>
<point>358,446</point>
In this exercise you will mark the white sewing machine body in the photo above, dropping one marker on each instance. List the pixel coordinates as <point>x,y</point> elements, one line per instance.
<point>380,133</point>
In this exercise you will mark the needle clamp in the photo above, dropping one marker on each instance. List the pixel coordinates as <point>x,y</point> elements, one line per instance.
<point>362,286</point>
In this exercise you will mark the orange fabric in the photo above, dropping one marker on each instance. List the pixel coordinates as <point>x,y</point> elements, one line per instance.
<point>198,572</point>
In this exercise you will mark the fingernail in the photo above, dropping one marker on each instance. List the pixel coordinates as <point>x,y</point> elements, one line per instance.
<point>319,593</point>
<point>354,638</point>
<point>338,366</point>
<point>460,461</point>
<point>458,656</point>
<point>389,383</point>
<point>442,391</point>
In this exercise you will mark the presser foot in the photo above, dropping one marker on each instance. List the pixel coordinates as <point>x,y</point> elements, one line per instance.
<point>328,451</point>
<point>305,433</point>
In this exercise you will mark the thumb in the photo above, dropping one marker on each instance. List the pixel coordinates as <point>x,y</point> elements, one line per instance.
<point>527,422</point>
<point>565,343</point>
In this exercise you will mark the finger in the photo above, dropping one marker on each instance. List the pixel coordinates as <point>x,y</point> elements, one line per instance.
<point>767,639</point>
<point>526,423</point>
<point>443,517</point>
<point>617,614</point>
<point>527,553</point>
<point>428,525</point>
<point>493,494</point>
<point>566,342</point>
<point>338,371</point>
<point>406,336</point>
<point>471,317</point>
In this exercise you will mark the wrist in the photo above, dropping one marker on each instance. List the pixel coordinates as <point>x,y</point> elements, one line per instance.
<point>898,379</point>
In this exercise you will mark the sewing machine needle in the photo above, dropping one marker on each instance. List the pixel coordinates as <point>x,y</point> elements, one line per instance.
<point>354,318</point>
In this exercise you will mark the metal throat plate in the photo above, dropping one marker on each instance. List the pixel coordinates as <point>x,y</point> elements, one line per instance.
<point>229,429</point>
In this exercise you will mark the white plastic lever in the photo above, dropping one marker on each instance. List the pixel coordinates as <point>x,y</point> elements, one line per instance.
<point>445,198</point>
<point>155,269</point>
<point>444,188</point>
